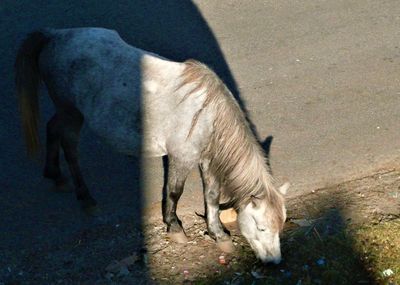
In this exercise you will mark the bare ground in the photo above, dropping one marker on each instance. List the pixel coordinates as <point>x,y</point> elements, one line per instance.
<point>94,255</point>
<point>327,211</point>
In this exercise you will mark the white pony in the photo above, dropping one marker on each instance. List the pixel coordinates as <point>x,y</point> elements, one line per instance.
<point>141,103</point>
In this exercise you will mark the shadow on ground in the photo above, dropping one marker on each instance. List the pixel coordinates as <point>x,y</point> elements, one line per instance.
<point>325,241</point>
<point>44,236</point>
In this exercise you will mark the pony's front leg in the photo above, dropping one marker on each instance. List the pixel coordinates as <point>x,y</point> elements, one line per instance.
<point>177,173</point>
<point>211,201</point>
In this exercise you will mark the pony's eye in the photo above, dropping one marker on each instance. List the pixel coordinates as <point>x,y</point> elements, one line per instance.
<point>261,229</point>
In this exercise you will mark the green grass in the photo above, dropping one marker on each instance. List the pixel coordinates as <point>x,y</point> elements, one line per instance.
<point>356,255</point>
<point>379,246</point>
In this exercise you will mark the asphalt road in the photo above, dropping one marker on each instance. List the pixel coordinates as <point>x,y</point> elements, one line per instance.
<point>320,77</point>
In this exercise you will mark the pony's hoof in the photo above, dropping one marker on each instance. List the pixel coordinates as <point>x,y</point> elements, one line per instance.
<point>226,246</point>
<point>178,237</point>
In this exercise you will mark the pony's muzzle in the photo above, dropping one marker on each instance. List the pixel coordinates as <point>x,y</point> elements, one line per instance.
<point>272,260</point>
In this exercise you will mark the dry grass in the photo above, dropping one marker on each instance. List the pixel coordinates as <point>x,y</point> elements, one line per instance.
<point>379,246</point>
<point>356,256</point>
<point>349,234</point>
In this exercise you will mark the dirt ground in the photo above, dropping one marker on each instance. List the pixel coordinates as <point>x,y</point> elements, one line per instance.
<point>351,204</point>
<point>320,77</point>
<point>109,252</point>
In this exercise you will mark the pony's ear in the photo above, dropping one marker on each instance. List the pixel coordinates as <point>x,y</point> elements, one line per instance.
<point>266,145</point>
<point>256,201</point>
<point>283,189</point>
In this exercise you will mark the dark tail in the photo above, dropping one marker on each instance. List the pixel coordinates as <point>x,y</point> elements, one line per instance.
<point>27,79</point>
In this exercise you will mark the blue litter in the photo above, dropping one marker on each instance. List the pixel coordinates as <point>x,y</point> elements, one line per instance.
<point>321,261</point>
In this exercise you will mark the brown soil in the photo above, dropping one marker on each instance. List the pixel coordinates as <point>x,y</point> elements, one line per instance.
<point>366,200</point>
<point>108,254</point>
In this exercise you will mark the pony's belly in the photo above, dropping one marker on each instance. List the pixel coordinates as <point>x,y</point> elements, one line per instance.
<point>124,141</point>
<point>127,137</point>
<point>116,122</point>
<point>136,144</point>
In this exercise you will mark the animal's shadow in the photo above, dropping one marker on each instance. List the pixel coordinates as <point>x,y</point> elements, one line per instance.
<point>33,217</point>
<point>173,29</point>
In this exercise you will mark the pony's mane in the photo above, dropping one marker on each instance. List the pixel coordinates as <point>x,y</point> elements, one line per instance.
<point>236,157</point>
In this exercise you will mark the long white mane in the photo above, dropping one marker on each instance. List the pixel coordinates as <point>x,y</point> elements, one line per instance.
<point>236,157</point>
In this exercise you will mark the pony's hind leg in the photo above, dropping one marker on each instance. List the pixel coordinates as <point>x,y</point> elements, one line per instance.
<point>211,201</point>
<point>177,174</point>
<point>52,167</point>
<point>71,124</point>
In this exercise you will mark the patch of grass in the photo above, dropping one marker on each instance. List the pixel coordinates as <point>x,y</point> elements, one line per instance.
<point>347,256</point>
<point>331,237</point>
<point>325,259</point>
<point>379,245</point>
<point>309,259</point>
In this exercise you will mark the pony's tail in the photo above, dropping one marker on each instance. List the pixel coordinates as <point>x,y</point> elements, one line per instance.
<point>27,79</point>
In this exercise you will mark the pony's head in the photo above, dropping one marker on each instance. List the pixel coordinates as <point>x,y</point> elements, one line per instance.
<point>260,222</point>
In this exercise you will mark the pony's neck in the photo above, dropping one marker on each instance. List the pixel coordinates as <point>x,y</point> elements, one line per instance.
<point>237,158</point>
